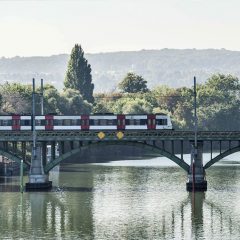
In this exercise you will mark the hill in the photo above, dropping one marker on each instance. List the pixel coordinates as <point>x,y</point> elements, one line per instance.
<point>172,67</point>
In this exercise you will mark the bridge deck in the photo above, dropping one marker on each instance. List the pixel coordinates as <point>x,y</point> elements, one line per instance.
<point>115,136</point>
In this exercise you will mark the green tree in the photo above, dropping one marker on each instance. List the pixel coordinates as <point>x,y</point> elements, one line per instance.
<point>132,106</point>
<point>133,83</point>
<point>16,98</point>
<point>52,100</point>
<point>219,103</point>
<point>72,103</point>
<point>78,75</point>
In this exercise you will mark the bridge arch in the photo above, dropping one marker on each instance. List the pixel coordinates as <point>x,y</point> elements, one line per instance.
<point>12,156</point>
<point>146,146</point>
<point>221,156</point>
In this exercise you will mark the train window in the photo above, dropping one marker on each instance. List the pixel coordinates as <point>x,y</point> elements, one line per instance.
<point>161,121</point>
<point>103,122</point>
<point>111,122</point>
<point>57,122</point>
<point>149,122</point>
<point>75,122</point>
<point>93,122</point>
<point>25,122</point>
<point>143,122</point>
<point>67,122</point>
<point>38,122</point>
<point>137,122</point>
<point>6,122</point>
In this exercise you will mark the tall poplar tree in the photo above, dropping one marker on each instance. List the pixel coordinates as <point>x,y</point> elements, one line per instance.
<point>78,75</point>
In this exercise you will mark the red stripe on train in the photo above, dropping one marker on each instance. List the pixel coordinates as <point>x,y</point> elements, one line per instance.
<point>151,121</point>
<point>48,122</point>
<point>16,122</point>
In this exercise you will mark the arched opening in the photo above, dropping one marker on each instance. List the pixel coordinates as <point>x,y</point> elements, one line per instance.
<point>221,156</point>
<point>146,146</point>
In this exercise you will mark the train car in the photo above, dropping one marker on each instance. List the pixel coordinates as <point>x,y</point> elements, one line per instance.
<point>87,122</point>
<point>15,122</point>
<point>58,122</point>
<point>147,122</point>
<point>103,122</point>
<point>163,121</point>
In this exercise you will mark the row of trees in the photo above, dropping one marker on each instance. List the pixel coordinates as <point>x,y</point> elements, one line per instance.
<point>218,99</point>
<point>218,102</point>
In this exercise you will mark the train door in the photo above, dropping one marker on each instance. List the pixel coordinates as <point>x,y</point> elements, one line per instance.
<point>121,122</point>
<point>85,122</point>
<point>151,121</point>
<point>49,122</point>
<point>15,122</point>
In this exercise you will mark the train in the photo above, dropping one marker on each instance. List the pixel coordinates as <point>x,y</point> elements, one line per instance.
<point>96,122</point>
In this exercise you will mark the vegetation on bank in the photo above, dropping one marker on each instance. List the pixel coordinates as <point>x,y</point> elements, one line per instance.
<point>218,102</point>
<point>218,98</point>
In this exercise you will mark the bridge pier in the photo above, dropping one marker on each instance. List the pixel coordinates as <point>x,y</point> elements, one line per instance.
<point>196,175</point>
<point>38,180</point>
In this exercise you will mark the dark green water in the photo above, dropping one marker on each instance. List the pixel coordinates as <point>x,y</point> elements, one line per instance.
<point>126,200</point>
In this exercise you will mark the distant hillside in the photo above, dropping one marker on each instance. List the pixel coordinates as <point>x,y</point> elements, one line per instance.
<point>167,66</point>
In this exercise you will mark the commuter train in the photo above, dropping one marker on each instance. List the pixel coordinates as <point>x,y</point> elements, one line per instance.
<point>86,122</point>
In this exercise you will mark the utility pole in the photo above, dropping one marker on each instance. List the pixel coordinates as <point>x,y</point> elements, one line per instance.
<point>195,115</point>
<point>42,103</point>
<point>33,120</point>
<point>194,150</point>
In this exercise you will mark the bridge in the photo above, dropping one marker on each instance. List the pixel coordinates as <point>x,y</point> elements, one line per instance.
<point>17,146</point>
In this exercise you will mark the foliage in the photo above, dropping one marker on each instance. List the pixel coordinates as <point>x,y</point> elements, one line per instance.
<point>73,103</point>
<point>133,83</point>
<point>52,100</point>
<point>78,75</point>
<point>132,106</point>
<point>218,102</point>
<point>16,98</point>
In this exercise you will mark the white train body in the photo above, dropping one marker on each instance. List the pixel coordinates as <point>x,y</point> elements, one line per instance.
<point>86,122</point>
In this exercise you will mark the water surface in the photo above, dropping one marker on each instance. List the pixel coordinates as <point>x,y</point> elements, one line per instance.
<point>124,200</point>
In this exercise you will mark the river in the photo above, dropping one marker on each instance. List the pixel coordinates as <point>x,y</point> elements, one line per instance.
<point>134,199</point>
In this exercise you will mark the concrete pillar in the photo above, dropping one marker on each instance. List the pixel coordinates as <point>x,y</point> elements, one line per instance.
<point>61,148</point>
<point>23,147</point>
<point>44,153</point>
<point>196,175</point>
<point>37,178</point>
<point>53,151</point>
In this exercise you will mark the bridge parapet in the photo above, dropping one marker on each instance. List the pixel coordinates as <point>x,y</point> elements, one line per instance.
<point>76,135</point>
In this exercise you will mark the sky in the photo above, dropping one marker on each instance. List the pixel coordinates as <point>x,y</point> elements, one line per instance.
<point>48,27</point>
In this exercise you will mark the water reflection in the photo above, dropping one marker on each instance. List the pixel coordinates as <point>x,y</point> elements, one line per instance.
<point>114,202</point>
